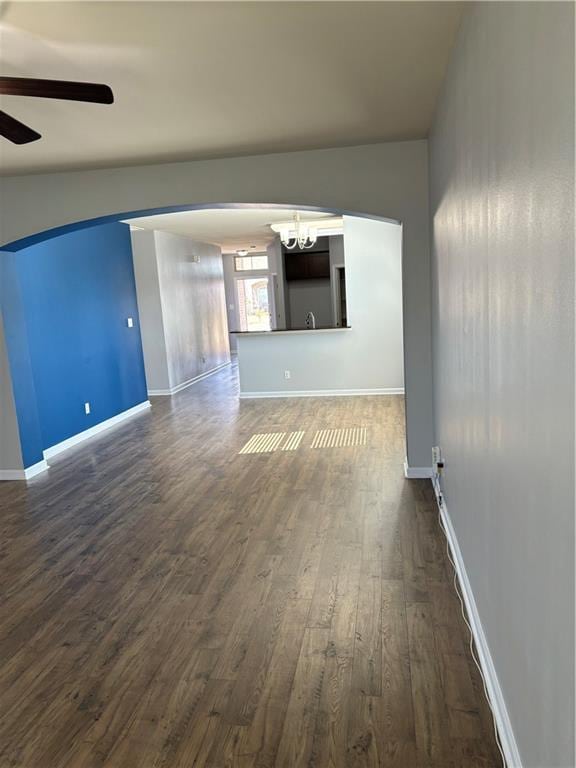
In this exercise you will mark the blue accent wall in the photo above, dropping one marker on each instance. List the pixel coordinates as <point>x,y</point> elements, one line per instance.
<point>77,292</point>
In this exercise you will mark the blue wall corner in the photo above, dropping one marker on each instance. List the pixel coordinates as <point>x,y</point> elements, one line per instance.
<point>77,292</point>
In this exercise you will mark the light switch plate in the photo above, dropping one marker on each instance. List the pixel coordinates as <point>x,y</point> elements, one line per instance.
<point>130,322</point>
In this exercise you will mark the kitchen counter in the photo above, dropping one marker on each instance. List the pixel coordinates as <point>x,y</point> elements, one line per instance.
<point>288,331</point>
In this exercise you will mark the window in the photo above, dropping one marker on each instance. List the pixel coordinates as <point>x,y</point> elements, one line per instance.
<point>250,263</point>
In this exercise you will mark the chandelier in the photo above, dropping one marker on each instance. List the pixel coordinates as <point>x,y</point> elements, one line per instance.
<point>298,233</point>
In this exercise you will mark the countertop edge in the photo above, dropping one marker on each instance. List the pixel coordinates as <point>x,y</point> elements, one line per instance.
<point>288,332</point>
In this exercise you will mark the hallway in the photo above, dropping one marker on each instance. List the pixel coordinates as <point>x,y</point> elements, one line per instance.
<point>171,602</point>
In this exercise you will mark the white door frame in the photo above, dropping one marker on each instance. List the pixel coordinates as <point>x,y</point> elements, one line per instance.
<point>336,293</point>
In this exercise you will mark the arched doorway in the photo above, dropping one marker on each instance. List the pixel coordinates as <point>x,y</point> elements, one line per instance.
<point>382,181</point>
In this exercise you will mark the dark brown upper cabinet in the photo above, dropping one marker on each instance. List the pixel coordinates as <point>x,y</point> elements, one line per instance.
<point>307,265</point>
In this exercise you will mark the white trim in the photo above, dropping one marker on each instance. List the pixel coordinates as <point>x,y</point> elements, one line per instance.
<point>24,474</point>
<point>13,474</point>
<point>35,469</point>
<point>413,473</point>
<point>323,393</point>
<point>497,702</point>
<point>188,383</point>
<point>95,430</point>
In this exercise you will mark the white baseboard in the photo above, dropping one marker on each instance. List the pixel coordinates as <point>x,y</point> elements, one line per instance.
<point>24,474</point>
<point>188,383</point>
<point>95,430</point>
<point>413,473</point>
<point>497,702</point>
<point>322,393</point>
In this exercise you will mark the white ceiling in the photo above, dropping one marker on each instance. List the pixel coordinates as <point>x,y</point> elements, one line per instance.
<point>231,229</point>
<point>209,79</point>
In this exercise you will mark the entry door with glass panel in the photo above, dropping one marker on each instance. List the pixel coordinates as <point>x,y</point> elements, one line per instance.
<point>253,303</point>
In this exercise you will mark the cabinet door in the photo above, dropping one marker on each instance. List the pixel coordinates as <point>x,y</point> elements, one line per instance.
<point>307,266</point>
<point>295,266</point>
<point>318,265</point>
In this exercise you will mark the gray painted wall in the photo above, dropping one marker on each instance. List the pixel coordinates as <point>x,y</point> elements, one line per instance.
<point>193,306</point>
<point>310,296</point>
<point>388,180</point>
<point>150,309</point>
<point>502,208</point>
<point>276,267</point>
<point>369,355</point>
<point>184,318</point>
<point>10,452</point>
<point>231,300</point>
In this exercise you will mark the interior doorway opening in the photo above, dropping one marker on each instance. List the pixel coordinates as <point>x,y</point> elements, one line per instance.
<point>321,365</point>
<point>254,303</point>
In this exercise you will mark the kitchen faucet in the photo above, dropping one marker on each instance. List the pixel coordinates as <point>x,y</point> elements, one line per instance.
<point>310,320</point>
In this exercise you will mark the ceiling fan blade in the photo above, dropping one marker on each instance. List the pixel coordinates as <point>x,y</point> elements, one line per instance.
<point>15,131</point>
<point>56,89</point>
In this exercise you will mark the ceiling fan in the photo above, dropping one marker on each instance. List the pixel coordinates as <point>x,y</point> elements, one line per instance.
<point>17,132</point>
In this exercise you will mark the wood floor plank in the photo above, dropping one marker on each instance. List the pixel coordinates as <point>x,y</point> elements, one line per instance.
<point>197,744</point>
<point>373,741</point>
<point>428,699</point>
<point>254,669</point>
<point>298,731</point>
<point>324,596</point>
<point>397,708</point>
<point>330,741</point>
<point>463,713</point>
<point>368,644</point>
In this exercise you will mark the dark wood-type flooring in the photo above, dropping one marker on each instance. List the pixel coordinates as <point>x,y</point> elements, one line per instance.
<point>168,603</point>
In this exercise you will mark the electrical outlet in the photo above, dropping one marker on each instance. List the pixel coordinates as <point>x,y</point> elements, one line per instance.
<point>130,322</point>
<point>437,460</point>
<point>287,374</point>
<point>86,408</point>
